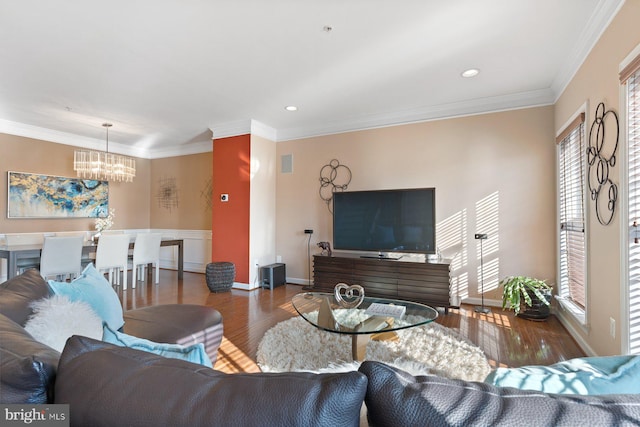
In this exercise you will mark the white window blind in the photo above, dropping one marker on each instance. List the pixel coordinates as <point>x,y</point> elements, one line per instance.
<point>571,203</point>
<point>633,139</point>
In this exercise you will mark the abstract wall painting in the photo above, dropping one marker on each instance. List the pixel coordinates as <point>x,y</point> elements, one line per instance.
<point>45,196</point>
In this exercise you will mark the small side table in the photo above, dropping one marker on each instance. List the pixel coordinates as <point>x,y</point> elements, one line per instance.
<point>273,275</point>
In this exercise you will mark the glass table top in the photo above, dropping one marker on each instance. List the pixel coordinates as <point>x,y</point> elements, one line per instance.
<point>372,315</point>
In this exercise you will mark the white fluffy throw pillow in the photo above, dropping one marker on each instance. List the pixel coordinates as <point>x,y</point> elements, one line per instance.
<point>56,319</point>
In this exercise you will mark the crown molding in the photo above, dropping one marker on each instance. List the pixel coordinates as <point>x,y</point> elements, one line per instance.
<point>229,129</point>
<point>181,150</point>
<point>598,23</point>
<point>243,127</point>
<point>35,132</point>
<point>50,135</point>
<point>487,105</point>
<point>264,131</point>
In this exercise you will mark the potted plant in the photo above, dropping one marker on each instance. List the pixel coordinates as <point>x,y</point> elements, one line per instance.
<point>529,298</point>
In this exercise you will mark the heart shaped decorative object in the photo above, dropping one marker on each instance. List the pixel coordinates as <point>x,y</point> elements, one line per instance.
<point>349,296</point>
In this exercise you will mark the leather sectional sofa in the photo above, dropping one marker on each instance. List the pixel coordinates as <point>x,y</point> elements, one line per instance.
<point>26,362</point>
<point>107,385</point>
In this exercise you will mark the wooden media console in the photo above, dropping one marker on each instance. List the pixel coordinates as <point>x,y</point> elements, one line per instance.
<point>427,282</point>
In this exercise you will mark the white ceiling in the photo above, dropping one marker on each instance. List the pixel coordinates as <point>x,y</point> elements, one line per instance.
<point>167,72</point>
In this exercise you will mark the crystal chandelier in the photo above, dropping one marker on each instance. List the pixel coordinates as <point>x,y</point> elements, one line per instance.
<point>102,165</point>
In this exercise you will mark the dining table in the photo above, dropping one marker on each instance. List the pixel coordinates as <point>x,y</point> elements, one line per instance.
<point>14,253</point>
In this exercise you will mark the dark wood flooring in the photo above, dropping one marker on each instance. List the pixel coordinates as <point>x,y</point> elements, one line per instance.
<point>507,341</point>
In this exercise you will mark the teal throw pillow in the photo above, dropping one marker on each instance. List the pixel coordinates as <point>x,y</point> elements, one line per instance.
<point>584,376</point>
<point>193,353</point>
<point>92,288</point>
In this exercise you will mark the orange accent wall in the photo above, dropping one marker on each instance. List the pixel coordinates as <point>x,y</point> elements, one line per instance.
<point>230,220</point>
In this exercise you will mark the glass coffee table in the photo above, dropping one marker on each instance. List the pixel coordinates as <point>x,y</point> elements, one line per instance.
<point>372,318</point>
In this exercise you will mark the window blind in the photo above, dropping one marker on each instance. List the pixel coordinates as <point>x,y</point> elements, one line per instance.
<point>571,202</point>
<point>631,69</point>
<point>633,140</point>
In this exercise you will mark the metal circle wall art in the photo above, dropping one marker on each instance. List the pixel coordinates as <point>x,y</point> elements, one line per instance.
<point>601,157</point>
<point>333,177</point>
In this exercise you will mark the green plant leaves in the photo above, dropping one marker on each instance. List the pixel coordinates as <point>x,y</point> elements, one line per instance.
<point>518,289</point>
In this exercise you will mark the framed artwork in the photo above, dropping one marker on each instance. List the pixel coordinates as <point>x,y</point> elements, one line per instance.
<point>44,196</point>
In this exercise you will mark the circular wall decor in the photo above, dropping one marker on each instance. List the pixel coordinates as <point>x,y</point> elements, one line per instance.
<point>333,177</point>
<point>601,161</point>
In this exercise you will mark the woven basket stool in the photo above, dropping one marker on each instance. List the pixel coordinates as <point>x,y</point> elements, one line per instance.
<point>220,276</point>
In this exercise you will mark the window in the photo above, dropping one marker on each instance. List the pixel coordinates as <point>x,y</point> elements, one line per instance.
<point>572,241</point>
<point>630,77</point>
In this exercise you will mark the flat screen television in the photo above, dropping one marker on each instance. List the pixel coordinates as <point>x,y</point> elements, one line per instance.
<point>385,220</point>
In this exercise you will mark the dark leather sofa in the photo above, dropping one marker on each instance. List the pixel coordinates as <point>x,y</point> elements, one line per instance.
<point>183,324</point>
<point>106,385</point>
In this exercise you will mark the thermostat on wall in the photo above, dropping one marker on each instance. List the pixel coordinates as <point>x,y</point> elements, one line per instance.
<point>224,197</point>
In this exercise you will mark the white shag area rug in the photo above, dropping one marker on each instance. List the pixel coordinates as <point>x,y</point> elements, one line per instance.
<point>296,345</point>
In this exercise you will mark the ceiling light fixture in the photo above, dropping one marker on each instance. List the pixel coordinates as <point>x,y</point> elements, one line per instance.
<point>102,165</point>
<point>471,72</point>
<point>291,108</point>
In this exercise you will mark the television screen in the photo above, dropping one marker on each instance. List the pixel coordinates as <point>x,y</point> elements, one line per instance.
<point>385,220</point>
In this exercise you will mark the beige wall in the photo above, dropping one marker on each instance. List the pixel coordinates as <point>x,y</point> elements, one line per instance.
<point>35,156</point>
<point>493,173</point>
<point>135,203</point>
<point>185,180</point>
<point>597,81</point>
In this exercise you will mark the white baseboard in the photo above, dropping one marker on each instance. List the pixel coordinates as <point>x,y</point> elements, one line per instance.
<point>569,326</point>
<point>244,286</point>
<point>296,281</point>
<point>487,302</point>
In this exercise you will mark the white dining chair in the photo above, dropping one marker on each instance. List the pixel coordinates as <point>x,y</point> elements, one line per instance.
<point>61,256</point>
<point>19,239</point>
<point>146,250</point>
<point>88,257</point>
<point>112,255</point>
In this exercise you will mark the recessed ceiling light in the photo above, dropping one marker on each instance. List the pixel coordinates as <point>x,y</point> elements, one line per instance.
<point>291,108</point>
<point>471,72</point>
